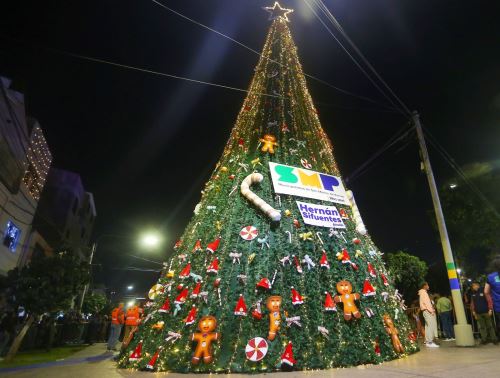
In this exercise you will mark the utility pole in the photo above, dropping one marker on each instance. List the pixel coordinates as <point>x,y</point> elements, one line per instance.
<point>463,330</point>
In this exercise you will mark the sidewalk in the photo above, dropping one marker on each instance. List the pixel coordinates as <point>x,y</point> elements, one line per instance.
<point>446,361</point>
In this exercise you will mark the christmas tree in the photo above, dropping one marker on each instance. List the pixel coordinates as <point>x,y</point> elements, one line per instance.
<point>275,269</point>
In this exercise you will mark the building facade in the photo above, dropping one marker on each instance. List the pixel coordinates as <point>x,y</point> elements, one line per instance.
<point>24,163</point>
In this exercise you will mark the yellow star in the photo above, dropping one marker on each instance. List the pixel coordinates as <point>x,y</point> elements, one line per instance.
<point>277,12</point>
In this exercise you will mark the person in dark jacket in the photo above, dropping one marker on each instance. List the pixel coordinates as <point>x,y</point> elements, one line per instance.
<point>482,310</point>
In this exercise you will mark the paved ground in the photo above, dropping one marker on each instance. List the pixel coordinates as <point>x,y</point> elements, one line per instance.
<point>484,362</point>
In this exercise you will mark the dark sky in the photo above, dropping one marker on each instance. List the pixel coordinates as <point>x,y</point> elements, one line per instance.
<point>145,144</point>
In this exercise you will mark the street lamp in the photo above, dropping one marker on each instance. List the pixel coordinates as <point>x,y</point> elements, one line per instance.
<point>130,287</point>
<point>150,240</point>
<point>453,186</point>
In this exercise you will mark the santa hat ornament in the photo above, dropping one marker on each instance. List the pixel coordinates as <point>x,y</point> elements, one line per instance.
<point>376,348</point>
<point>197,246</point>
<point>368,289</point>
<point>346,259</point>
<point>185,272</point>
<point>241,307</point>
<point>296,297</point>
<point>177,244</point>
<point>329,302</point>
<point>152,362</point>
<point>217,282</point>
<point>182,297</point>
<point>264,283</point>
<point>343,214</point>
<point>196,290</point>
<point>214,266</point>
<point>136,354</point>
<point>356,241</point>
<point>297,264</point>
<point>212,247</point>
<point>384,279</point>
<point>287,356</point>
<point>257,312</point>
<point>323,262</point>
<point>191,318</point>
<point>371,270</point>
<point>166,306</point>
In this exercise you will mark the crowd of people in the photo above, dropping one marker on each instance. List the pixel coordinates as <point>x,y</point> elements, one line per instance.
<point>482,299</point>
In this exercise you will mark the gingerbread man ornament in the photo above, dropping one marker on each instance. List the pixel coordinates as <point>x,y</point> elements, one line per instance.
<point>347,297</point>
<point>268,142</point>
<point>393,332</point>
<point>204,338</point>
<point>273,305</point>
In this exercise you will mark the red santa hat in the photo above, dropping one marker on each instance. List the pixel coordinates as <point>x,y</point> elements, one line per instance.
<point>241,307</point>
<point>287,356</point>
<point>297,264</point>
<point>296,297</point>
<point>343,214</point>
<point>356,241</point>
<point>329,302</point>
<point>136,354</point>
<point>178,244</point>
<point>264,283</point>
<point>214,266</point>
<point>371,270</point>
<point>196,290</point>
<point>323,262</point>
<point>384,279</point>
<point>191,318</point>
<point>197,246</point>
<point>166,306</point>
<point>152,362</point>
<point>346,259</point>
<point>257,312</point>
<point>212,247</point>
<point>182,297</point>
<point>368,289</point>
<point>376,348</point>
<point>186,271</point>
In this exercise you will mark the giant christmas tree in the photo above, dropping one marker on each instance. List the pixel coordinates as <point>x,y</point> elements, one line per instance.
<point>275,269</point>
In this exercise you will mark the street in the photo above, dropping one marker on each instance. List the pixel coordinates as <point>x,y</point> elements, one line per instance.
<point>443,362</point>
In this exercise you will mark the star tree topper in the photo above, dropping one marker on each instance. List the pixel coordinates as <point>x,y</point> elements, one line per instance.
<point>277,12</point>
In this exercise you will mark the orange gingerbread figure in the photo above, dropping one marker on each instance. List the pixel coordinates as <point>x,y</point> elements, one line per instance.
<point>347,297</point>
<point>204,338</point>
<point>273,305</point>
<point>268,142</point>
<point>393,332</point>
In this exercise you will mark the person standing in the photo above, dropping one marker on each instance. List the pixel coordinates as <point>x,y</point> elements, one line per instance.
<point>445,311</point>
<point>117,320</point>
<point>482,310</point>
<point>492,289</point>
<point>429,316</point>
<point>132,319</point>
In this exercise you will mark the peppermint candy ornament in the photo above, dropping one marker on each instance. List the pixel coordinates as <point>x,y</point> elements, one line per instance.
<point>249,232</point>
<point>155,291</point>
<point>305,163</point>
<point>256,349</point>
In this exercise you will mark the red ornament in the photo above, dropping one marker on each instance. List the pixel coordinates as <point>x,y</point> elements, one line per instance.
<point>152,362</point>
<point>323,262</point>
<point>182,297</point>
<point>186,271</point>
<point>196,290</point>
<point>178,244</point>
<point>296,223</point>
<point>241,142</point>
<point>297,264</point>
<point>368,289</point>
<point>214,266</point>
<point>212,247</point>
<point>264,283</point>
<point>257,312</point>
<point>371,271</point>
<point>329,303</point>
<point>136,354</point>
<point>197,246</point>
<point>241,307</point>
<point>343,214</point>
<point>356,241</point>
<point>166,306</point>
<point>191,318</point>
<point>384,279</point>
<point>296,297</point>
<point>217,282</point>
<point>376,348</point>
<point>231,177</point>
<point>287,356</point>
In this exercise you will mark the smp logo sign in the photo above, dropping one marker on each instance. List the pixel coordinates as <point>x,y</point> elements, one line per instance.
<point>305,183</point>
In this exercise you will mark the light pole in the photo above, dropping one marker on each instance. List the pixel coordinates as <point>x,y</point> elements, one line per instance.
<point>463,330</point>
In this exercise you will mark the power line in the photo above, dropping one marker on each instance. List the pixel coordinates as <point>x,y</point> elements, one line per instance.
<point>260,55</point>
<point>339,27</point>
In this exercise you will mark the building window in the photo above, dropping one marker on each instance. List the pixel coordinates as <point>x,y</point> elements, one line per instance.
<point>11,236</point>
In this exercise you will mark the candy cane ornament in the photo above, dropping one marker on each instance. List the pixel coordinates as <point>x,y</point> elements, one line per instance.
<point>256,178</point>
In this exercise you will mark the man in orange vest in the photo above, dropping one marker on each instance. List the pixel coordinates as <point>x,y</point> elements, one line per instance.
<point>132,319</point>
<point>117,320</point>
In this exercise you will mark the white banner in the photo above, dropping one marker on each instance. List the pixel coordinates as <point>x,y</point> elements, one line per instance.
<point>306,183</point>
<point>319,215</point>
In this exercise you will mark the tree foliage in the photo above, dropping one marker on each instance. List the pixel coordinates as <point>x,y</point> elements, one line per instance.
<point>94,303</point>
<point>472,224</point>
<point>408,272</point>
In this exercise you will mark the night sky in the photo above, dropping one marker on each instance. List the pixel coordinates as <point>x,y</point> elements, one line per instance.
<point>145,144</point>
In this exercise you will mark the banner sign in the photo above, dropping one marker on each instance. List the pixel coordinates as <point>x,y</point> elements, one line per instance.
<point>319,215</point>
<point>306,183</point>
